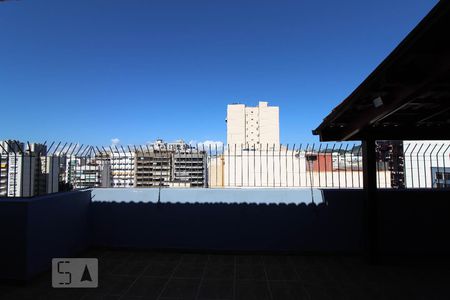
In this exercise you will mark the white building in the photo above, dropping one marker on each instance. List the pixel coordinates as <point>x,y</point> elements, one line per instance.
<point>253,125</point>
<point>51,169</point>
<point>427,164</point>
<point>122,165</point>
<point>157,164</point>
<point>24,170</point>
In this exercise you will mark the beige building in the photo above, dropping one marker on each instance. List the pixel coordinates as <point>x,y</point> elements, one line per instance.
<point>250,126</point>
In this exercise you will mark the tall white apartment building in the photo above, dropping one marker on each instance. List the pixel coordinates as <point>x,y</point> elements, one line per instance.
<point>24,171</point>
<point>253,126</point>
<point>20,176</point>
<point>7,148</point>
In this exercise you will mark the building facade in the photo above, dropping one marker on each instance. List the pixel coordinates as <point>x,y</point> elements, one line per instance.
<point>122,167</point>
<point>25,170</point>
<point>170,165</point>
<point>153,168</point>
<point>248,125</point>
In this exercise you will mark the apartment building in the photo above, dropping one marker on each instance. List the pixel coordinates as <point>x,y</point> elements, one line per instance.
<point>122,166</point>
<point>89,172</point>
<point>25,170</point>
<point>153,169</point>
<point>247,125</point>
<point>189,167</point>
<point>7,149</point>
<point>170,165</point>
<point>164,164</point>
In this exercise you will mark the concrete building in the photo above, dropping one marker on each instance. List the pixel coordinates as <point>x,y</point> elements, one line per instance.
<point>20,177</point>
<point>88,172</point>
<point>24,170</point>
<point>122,166</point>
<point>158,164</point>
<point>189,167</point>
<point>253,125</point>
<point>51,168</point>
<point>7,149</point>
<point>170,165</point>
<point>153,168</point>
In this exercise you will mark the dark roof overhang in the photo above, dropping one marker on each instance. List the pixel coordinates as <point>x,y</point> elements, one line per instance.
<point>407,96</point>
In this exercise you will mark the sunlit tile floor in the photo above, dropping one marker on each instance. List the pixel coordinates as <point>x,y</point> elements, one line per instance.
<point>160,275</point>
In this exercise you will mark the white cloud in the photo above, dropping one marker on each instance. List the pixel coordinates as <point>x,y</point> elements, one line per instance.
<point>115,141</point>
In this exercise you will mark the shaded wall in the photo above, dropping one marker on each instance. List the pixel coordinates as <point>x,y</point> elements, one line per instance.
<point>332,226</point>
<point>35,230</point>
<point>13,237</point>
<point>414,222</point>
<point>411,222</point>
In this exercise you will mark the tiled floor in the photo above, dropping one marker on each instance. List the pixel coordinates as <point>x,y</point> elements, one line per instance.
<point>156,275</point>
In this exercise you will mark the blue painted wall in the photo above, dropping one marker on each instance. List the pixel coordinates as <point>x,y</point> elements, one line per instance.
<point>35,230</point>
<point>411,222</point>
<point>13,239</point>
<point>331,226</point>
<point>58,226</point>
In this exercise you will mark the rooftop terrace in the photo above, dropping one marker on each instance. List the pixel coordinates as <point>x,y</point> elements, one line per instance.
<point>253,244</point>
<point>127,274</point>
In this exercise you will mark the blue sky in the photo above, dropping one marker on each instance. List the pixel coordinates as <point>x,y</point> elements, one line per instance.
<point>89,71</point>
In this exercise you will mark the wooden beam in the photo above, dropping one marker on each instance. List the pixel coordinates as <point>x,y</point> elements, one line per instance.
<point>390,133</point>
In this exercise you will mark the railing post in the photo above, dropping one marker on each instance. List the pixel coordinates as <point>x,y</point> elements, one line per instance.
<point>370,213</point>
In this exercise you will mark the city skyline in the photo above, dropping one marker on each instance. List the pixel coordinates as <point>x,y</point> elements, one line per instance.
<point>90,72</point>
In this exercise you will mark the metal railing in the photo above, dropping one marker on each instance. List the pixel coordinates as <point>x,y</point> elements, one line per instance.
<point>30,169</point>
